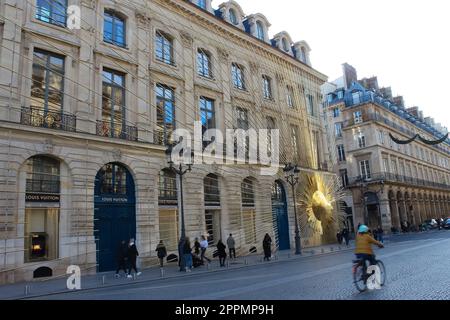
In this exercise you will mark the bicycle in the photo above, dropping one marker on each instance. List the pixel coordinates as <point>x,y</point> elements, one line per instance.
<point>360,277</point>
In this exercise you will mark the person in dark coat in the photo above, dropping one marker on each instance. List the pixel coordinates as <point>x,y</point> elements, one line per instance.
<point>267,246</point>
<point>380,233</point>
<point>122,258</point>
<point>162,253</point>
<point>221,249</point>
<point>132,257</point>
<point>346,236</point>
<point>187,252</point>
<point>197,247</point>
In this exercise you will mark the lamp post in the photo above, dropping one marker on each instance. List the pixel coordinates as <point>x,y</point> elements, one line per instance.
<point>292,178</point>
<point>180,171</point>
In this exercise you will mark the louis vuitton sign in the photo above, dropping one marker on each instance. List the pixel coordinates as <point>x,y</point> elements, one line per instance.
<point>38,197</point>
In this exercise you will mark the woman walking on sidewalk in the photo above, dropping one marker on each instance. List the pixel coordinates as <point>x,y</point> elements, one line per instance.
<point>267,246</point>
<point>162,253</point>
<point>132,257</point>
<point>221,249</point>
<point>187,252</point>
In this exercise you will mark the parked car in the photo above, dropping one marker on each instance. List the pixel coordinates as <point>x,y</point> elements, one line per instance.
<point>446,224</point>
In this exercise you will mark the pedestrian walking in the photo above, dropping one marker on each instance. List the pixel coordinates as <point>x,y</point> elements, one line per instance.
<point>197,247</point>
<point>221,250</point>
<point>380,233</point>
<point>346,236</point>
<point>187,252</point>
<point>231,246</point>
<point>203,246</point>
<point>162,253</point>
<point>375,234</point>
<point>267,246</point>
<point>339,237</point>
<point>122,258</point>
<point>132,258</point>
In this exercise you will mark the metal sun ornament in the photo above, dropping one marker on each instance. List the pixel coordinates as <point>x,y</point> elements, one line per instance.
<point>319,198</point>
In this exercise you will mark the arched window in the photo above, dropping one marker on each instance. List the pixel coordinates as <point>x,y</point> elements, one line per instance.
<point>113,179</point>
<point>233,17</point>
<point>285,45</point>
<point>42,220</point>
<point>278,193</point>
<point>260,31</point>
<point>114,28</point>
<point>203,63</point>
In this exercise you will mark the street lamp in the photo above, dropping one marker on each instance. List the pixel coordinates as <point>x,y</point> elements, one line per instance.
<point>180,171</point>
<point>292,178</point>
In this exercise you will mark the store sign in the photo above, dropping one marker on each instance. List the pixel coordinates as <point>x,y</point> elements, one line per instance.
<point>114,199</point>
<point>38,197</point>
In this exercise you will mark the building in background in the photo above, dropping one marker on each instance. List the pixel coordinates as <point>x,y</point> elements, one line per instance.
<point>387,184</point>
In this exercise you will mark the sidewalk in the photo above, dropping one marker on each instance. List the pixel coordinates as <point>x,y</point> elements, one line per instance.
<point>103,280</point>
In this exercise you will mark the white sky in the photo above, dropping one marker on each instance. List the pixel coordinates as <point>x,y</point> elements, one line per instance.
<point>406,43</point>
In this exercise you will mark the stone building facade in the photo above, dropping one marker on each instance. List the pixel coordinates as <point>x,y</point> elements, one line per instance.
<point>393,185</point>
<point>85,116</point>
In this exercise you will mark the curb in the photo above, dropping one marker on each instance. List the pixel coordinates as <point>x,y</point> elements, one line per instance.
<point>292,258</point>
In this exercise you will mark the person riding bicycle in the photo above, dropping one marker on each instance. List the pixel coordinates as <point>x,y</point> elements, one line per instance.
<point>364,243</point>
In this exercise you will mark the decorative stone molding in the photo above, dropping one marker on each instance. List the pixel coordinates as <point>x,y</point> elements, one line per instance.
<point>89,3</point>
<point>187,39</point>
<point>142,19</point>
<point>279,77</point>
<point>254,67</point>
<point>48,146</point>
<point>223,54</point>
<point>116,154</point>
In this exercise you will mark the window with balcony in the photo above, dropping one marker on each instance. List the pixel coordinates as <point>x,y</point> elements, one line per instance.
<point>113,123</point>
<point>164,48</point>
<point>267,87</point>
<point>204,64</point>
<point>237,73</point>
<point>165,114</point>
<point>168,193</point>
<point>52,11</point>
<point>364,169</point>
<point>341,153</point>
<point>47,94</point>
<point>114,28</point>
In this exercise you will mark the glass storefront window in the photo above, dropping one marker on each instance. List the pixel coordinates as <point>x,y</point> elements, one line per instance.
<point>41,234</point>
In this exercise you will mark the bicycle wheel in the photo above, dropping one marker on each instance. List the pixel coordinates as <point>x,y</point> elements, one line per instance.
<point>359,279</point>
<point>380,265</point>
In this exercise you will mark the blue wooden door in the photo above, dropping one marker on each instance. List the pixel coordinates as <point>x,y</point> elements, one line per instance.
<point>115,213</point>
<point>280,215</point>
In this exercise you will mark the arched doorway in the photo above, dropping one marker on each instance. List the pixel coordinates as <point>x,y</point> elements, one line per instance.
<point>115,212</point>
<point>280,215</point>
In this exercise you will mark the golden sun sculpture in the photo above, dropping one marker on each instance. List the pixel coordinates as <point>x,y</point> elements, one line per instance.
<point>319,202</point>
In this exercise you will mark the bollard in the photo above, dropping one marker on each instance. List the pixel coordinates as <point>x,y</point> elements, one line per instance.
<point>289,255</point>
<point>134,276</point>
<point>27,290</point>
<point>323,250</point>
<point>245,262</point>
<point>228,264</point>
<point>331,249</point>
<point>162,272</point>
<point>207,266</point>
<point>103,280</point>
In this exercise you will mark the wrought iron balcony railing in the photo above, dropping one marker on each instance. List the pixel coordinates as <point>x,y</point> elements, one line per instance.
<point>107,129</point>
<point>38,117</point>
<point>397,178</point>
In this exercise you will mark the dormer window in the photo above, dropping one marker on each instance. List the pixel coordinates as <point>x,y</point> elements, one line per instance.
<point>233,17</point>
<point>285,45</point>
<point>340,94</point>
<point>260,31</point>
<point>202,4</point>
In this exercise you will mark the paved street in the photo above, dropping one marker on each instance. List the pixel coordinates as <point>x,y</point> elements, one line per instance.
<point>417,268</point>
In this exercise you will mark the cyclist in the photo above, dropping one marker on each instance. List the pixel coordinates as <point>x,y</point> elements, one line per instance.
<point>363,249</point>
